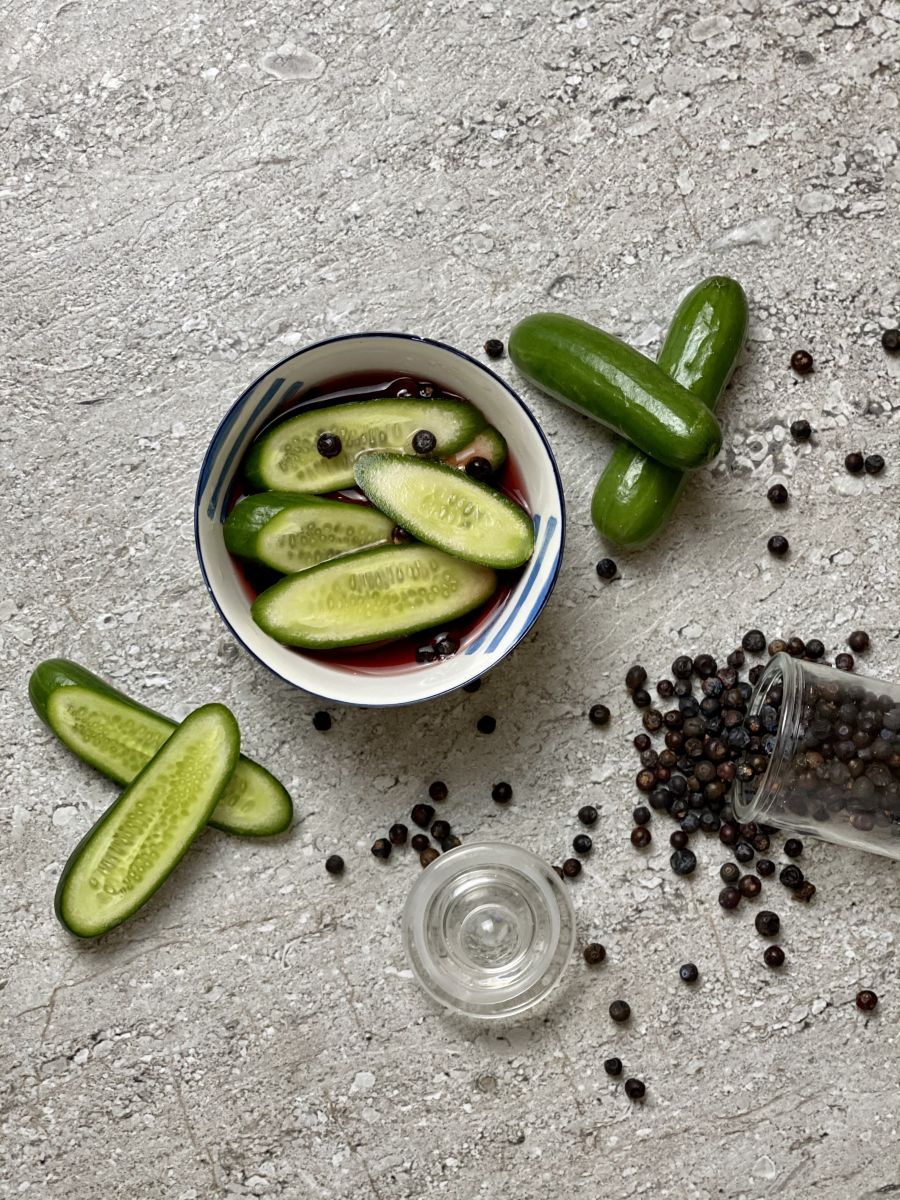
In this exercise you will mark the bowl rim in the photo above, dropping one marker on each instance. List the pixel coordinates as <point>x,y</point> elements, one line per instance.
<point>226,421</point>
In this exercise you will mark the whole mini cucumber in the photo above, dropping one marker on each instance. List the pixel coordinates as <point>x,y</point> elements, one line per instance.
<point>292,532</point>
<point>118,736</point>
<point>635,495</point>
<point>139,840</point>
<point>609,381</point>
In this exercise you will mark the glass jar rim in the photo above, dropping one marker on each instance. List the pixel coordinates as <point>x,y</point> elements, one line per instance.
<point>785,670</point>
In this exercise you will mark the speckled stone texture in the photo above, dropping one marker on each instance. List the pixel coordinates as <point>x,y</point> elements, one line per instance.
<point>187,193</point>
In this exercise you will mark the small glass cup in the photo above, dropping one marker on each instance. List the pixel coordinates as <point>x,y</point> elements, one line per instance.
<point>834,757</point>
<point>488,929</point>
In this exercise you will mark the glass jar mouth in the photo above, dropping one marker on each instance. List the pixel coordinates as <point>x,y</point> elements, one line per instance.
<point>752,804</point>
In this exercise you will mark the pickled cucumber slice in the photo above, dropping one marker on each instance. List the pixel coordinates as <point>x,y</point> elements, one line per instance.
<point>489,444</point>
<point>445,508</point>
<point>286,458</point>
<point>118,736</point>
<point>139,840</point>
<point>290,533</point>
<point>371,596</point>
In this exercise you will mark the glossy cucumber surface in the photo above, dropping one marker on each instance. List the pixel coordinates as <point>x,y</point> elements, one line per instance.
<point>119,736</point>
<point>286,457</point>
<point>490,444</point>
<point>443,507</point>
<point>636,495</point>
<point>290,533</point>
<point>133,848</point>
<point>374,595</point>
<point>603,377</point>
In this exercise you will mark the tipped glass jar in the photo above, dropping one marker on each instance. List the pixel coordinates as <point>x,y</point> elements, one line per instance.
<point>833,750</point>
<point>488,929</point>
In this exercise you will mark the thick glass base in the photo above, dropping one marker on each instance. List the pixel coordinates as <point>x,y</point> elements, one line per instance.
<point>489,929</point>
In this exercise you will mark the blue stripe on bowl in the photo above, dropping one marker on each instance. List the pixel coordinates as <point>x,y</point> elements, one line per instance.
<point>291,391</point>
<point>233,415</point>
<point>511,615</point>
<point>538,604</point>
<point>498,616</point>
<point>271,393</point>
<point>548,534</point>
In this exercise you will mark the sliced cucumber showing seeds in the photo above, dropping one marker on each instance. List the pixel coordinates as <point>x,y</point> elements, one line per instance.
<point>140,839</point>
<point>286,458</point>
<point>489,445</point>
<point>377,594</point>
<point>118,736</point>
<point>445,508</point>
<point>290,533</point>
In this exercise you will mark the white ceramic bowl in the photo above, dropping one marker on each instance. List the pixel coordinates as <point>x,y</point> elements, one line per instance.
<point>395,354</point>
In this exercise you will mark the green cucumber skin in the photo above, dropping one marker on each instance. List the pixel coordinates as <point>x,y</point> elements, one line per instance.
<point>489,444</point>
<point>59,902</point>
<point>56,673</point>
<point>248,519</point>
<point>370,466</point>
<point>383,557</point>
<point>337,473</point>
<point>636,495</point>
<point>498,451</point>
<point>603,377</point>
<point>253,513</point>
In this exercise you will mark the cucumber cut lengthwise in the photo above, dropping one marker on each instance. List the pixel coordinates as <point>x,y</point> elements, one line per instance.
<point>635,495</point>
<point>286,458</point>
<point>118,736</point>
<point>371,596</point>
<point>443,507</point>
<point>290,533</point>
<point>609,381</point>
<point>139,840</point>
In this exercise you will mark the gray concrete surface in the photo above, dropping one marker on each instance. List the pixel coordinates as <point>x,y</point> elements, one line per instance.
<point>187,192</point>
